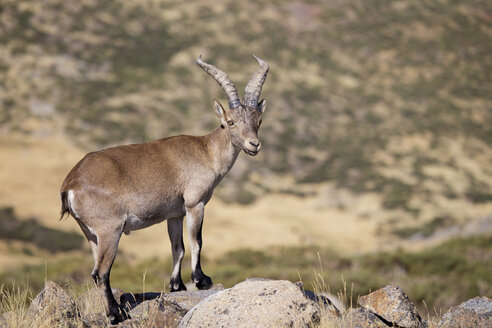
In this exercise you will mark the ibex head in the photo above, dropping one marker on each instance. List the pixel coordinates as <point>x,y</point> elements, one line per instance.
<point>243,118</point>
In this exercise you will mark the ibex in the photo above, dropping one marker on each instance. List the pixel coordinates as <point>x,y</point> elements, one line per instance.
<point>131,187</point>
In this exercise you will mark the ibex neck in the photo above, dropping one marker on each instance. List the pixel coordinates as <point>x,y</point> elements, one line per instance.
<point>222,150</point>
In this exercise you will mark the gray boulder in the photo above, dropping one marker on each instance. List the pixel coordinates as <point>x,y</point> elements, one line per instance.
<point>162,310</point>
<point>255,303</point>
<point>154,314</point>
<point>360,318</point>
<point>476,313</point>
<point>187,300</point>
<point>394,306</point>
<point>54,305</point>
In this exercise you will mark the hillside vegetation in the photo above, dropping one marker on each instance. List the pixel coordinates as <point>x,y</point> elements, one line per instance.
<point>377,134</point>
<point>376,96</point>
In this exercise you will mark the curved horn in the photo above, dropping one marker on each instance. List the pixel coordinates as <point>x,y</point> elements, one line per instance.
<point>224,81</point>
<point>253,89</point>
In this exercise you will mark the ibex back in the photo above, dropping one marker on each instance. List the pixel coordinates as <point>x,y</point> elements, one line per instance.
<point>131,187</point>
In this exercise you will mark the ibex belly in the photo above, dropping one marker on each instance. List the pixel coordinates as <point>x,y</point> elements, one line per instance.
<point>133,222</point>
<point>138,219</point>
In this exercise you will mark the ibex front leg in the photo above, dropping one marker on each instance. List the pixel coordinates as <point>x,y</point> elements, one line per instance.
<point>194,221</point>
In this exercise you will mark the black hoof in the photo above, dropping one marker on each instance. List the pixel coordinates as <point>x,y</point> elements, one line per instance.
<point>177,286</point>
<point>204,283</point>
<point>118,317</point>
<point>115,319</point>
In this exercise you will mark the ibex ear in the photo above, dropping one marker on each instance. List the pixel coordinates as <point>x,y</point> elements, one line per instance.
<point>219,110</point>
<point>262,106</point>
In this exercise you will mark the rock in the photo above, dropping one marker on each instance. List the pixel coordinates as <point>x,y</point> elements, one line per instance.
<point>165,310</point>
<point>257,303</point>
<point>53,304</point>
<point>184,299</point>
<point>360,318</point>
<point>476,313</point>
<point>131,300</point>
<point>393,305</point>
<point>187,300</point>
<point>323,301</point>
<point>155,313</point>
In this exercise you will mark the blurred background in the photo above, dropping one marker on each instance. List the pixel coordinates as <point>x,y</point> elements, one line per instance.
<point>376,158</point>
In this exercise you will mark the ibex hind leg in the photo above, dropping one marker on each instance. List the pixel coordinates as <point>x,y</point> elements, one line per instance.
<point>107,245</point>
<point>175,231</point>
<point>91,236</point>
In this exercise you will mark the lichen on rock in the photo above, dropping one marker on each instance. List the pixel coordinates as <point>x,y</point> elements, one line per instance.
<point>474,313</point>
<point>393,305</point>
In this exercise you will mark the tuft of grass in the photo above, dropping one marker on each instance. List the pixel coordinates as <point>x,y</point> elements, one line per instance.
<point>14,302</point>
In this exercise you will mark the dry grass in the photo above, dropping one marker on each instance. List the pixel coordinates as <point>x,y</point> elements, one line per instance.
<point>13,305</point>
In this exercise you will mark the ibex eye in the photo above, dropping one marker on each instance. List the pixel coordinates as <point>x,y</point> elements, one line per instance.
<point>231,123</point>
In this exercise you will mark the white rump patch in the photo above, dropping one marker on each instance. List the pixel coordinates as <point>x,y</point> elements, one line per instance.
<point>70,199</point>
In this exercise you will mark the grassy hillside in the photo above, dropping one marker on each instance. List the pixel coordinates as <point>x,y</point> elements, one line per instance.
<point>383,96</point>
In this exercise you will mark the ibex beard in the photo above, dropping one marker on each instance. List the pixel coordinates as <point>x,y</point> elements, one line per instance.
<point>131,187</point>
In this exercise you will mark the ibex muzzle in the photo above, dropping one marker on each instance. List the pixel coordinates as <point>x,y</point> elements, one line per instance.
<point>131,187</point>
